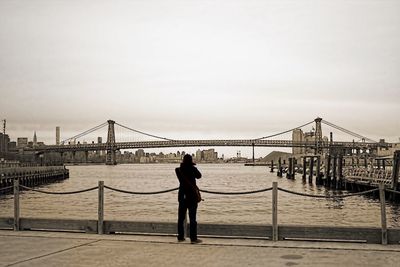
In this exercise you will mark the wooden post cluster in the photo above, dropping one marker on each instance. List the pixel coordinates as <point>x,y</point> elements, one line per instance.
<point>312,160</point>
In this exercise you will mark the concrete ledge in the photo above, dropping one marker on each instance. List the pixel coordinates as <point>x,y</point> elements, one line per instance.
<point>285,232</point>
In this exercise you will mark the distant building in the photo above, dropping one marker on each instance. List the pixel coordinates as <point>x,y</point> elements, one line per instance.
<point>22,142</point>
<point>297,136</point>
<point>34,140</point>
<point>57,135</point>
<point>4,142</point>
<point>199,155</point>
<point>12,146</point>
<point>210,155</point>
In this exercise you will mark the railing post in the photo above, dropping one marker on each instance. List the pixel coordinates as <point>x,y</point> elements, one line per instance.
<point>275,211</point>
<point>100,221</point>
<point>16,204</point>
<point>383,214</point>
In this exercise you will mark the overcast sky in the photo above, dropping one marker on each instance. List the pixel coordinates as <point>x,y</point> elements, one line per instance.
<point>199,69</point>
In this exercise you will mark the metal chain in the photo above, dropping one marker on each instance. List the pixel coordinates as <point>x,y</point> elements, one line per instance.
<point>6,188</point>
<point>236,193</point>
<point>392,191</point>
<point>59,193</point>
<point>141,193</point>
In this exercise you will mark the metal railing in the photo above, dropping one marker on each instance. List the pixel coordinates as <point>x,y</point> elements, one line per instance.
<point>274,189</point>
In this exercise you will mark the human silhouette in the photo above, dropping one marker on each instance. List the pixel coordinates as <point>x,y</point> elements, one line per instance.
<point>187,174</point>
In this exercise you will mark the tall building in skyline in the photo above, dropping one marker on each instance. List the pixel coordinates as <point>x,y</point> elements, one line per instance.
<point>34,139</point>
<point>57,135</point>
<point>297,136</point>
<point>4,142</point>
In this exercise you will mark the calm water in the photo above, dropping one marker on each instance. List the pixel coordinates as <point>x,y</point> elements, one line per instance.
<point>241,209</point>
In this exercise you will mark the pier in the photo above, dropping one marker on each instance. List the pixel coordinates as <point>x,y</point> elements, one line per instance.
<point>30,176</point>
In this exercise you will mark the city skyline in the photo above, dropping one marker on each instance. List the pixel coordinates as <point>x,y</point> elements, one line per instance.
<point>190,70</point>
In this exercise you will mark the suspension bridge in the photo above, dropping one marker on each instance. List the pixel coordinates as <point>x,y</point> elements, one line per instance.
<point>318,143</point>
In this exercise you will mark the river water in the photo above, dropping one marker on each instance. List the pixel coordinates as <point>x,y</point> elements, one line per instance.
<point>233,209</point>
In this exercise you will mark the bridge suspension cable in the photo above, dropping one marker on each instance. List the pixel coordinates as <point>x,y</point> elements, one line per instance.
<point>273,135</point>
<point>85,132</point>
<point>348,131</point>
<point>147,134</point>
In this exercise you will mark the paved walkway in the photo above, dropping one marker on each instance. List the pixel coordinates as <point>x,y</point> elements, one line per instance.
<point>31,248</point>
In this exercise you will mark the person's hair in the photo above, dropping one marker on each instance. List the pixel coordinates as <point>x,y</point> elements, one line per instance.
<point>188,160</point>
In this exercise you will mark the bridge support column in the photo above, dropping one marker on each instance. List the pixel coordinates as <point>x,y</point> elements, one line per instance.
<point>110,156</point>
<point>73,157</point>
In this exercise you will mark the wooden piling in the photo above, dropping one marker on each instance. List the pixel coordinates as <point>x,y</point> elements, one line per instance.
<point>318,171</point>
<point>395,170</point>
<point>334,169</point>
<point>272,166</point>
<point>340,171</point>
<point>327,168</point>
<point>275,211</point>
<point>16,205</point>
<point>304,168</point>
<point>310,176</point>
<point>383,214</point>
<point>279,172</point>
<point>100,221</point>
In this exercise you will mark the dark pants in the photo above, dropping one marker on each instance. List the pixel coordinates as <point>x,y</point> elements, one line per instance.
<point>183,207</point>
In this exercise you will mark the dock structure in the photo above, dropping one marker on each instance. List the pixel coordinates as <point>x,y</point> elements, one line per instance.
<point>31,176</point>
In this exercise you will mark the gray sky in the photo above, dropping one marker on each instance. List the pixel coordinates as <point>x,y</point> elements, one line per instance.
<point>199,69</point>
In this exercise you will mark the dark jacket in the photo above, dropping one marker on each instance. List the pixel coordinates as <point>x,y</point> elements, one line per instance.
<point>187,175</point>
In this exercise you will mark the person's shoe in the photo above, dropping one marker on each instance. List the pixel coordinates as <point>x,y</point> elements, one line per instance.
<point>181,239</point>
<point>197,241</point>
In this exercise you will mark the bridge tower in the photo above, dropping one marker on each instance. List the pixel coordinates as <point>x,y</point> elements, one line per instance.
<point>318,136</point>
<point>110,157</point>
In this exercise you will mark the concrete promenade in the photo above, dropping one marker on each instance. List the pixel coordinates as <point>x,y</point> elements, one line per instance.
<point>33,248</point>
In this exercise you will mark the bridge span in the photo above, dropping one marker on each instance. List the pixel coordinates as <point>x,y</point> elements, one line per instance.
<point>205,143</point>
<point>318,143</point>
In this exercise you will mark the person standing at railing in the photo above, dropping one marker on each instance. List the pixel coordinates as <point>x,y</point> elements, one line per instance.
<point>187,174</point>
